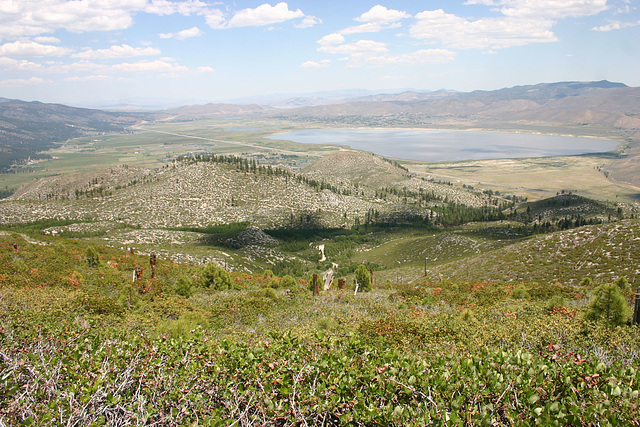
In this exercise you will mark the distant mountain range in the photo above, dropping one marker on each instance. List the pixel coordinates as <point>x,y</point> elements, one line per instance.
<point>29,128</point>
<point>566,103</point>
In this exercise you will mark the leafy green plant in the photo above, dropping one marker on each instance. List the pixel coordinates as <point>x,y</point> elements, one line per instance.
<point>183,286</point>
<point>609,305</point>
<point>216,277</point>
<point>93,257</point>
<point>363,278</point>
<point>520,292</point>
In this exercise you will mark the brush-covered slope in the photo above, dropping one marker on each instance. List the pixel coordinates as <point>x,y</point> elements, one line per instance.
<point>372,173</point>
<point>199,194</point>
<point>206,192</point>
<point>603,252</point>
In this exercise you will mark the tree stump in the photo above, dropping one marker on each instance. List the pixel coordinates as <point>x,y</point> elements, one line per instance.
<point>636,311</point>
<point>315,285</point>
<point>152,263</point>
<point>137,273</point>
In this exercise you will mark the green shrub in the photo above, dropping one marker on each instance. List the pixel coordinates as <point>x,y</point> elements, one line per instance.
<point>520,292</point>
<point>609,305</point>
<point>128,296</point>
<point>363,278</point>
<point>216,277</point>
<point>288,282</point>
<point>270,293</point>
<point>587,282</point>
<point>93,258</point>
<point>183,286</point>
<point>556,301</point>
<point>623,284</point>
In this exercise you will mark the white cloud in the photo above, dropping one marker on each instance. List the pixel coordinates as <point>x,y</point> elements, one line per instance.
<point>546,9</point>
<point>370,27</point>
<point>215,18</point>
<point>31,50</point>
<point>92,78</point>
<point>361,46</point>
<point>313,64</point>
<point>20,18</point>
<point>331,39</point>
<point>33,81</point>
<point>157,66</point>
<point>50,40</point>
<point>184,34</point>
<point>425,56</point>
<point>488,33</point>
<point>121,51</point>
<point>262,15</point>
<point>376,19</point>
<point>166,7</point>
<point>616,25</point>
<point>371,53</point>
<point>205,70</point>
<point>308,21</point>
<point>22,65</point>
<point>381,15</point>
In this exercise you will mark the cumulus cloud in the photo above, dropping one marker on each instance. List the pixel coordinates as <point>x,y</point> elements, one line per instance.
<point>121,51</point>
<point>21,65</point>
<point>424,56</point>
<point>376,19</point>
<point>46,40</point>
<point>369,53</point>
<point>184,34</point>
<point>205,70</point>
<point>382,15</point>
<point>166,7</point>
<point>22,49</point>
<point>361,46</point>
<point>331,39</point>
<point>616,25</point>
<point>488,33</point>
<point>157,66</point>
<point>35,17</point>
<point>262,15</point>
<point>308,21</point>
<point>33,81</point>
<point>91,78</point>
<point>546,8</point>
<point>313,64</point>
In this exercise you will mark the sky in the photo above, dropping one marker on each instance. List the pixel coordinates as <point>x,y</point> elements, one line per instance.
<point>102,52</point>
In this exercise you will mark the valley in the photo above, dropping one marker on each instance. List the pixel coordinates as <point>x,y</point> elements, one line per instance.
<point>165,273</point>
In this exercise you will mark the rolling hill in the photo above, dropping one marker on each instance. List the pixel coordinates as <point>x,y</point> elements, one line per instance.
<point>28,129</point>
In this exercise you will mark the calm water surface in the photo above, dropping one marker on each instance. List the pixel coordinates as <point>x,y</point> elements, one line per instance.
<point>447,145</point>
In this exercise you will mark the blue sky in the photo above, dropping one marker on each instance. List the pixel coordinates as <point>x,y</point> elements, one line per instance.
<point>105,51</point>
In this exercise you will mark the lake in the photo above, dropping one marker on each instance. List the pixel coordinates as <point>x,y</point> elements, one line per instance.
<point>450,145</point>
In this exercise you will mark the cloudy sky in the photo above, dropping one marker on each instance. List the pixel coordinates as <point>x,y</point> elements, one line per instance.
<point>103,51</point>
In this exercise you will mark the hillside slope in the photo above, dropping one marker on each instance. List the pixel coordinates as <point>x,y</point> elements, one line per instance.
<point>602,252</point>
<point>28,128</point>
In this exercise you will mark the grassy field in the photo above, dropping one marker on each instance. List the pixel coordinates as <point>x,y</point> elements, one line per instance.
<point>536,178</point>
